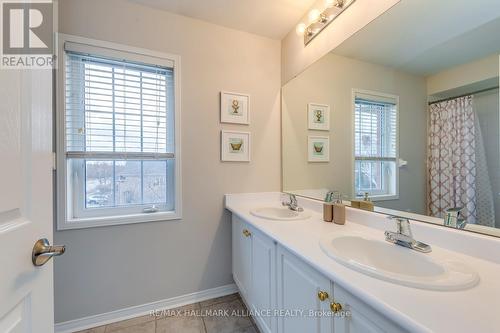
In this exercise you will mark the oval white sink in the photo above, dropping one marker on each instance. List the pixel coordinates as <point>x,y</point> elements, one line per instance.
<point>398,264</point>
<point>279,213</point>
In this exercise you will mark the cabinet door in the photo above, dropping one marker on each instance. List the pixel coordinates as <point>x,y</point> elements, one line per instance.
<point>360,317</point>
<point>297,288</point>
<point>263,291</point>
<point>242,257</point>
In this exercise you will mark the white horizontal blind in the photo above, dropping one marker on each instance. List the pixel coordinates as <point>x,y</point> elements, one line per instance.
<point>375,130</point>
<point>375,147</point>
<point>117,109</point>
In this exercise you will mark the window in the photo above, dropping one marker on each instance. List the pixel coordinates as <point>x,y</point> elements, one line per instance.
<point>120,145</point>
<point>375,145</point>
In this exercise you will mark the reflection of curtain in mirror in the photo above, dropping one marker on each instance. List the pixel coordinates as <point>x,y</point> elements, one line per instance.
<point>452,158</point>
<point>456,166</point>
<point>484,192</point>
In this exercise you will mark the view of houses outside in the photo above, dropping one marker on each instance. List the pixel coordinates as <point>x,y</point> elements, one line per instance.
<point>120,183</point>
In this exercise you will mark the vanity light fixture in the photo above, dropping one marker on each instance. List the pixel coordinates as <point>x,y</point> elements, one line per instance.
<point>320,20</point>
<point>300,29</point>
<point>314,15</point>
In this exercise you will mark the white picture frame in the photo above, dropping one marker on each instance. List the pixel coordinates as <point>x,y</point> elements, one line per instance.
<point>235,146</point>
<point>318,148</point>
<point>234,108</point>
<point>318,116</point>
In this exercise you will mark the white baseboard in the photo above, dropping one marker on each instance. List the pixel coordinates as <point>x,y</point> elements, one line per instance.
<point>144,309</point>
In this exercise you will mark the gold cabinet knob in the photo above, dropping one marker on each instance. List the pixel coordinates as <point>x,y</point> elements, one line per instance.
<point>246,233</point>
<point>323,296</point>
<point>335,307</point>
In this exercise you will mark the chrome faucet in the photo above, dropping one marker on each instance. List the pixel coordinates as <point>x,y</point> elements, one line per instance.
<point>292,204</point>
<point>404,237</point>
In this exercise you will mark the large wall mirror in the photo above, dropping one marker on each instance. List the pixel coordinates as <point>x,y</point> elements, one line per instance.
<point>405,112</point>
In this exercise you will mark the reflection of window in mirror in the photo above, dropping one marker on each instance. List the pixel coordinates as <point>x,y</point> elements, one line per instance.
<point>375,145</point>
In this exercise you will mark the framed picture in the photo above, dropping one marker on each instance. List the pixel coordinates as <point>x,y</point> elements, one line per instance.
<point>318,116</point>
<point>318,148</point>
<point>234,108</point>
<point>235,146</point>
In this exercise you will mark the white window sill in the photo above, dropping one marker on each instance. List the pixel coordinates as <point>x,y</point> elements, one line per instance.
<point>80,223</point>
<point>384,197</point>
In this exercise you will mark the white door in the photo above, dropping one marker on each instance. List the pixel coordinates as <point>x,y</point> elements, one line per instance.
<point>26,291</point>
<point>299,288</point>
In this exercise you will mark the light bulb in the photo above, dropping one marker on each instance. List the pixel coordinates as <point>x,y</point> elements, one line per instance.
<point>314,15</point>
<point>329,3</point>
<point>300,29</point>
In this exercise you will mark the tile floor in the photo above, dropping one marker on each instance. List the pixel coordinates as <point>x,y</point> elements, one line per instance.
<point>209,316</point>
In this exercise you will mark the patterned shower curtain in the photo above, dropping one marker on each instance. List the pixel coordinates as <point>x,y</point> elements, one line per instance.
<point>452,158</point>
<point>485,206</point>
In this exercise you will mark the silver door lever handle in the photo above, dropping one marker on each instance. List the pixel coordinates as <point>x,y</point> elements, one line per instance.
<point>43,251</point>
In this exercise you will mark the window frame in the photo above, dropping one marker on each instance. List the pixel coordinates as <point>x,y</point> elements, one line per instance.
<point>395,98</point>
<point>65,206</point>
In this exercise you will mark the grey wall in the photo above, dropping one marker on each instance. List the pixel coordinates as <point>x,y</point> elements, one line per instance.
<point>330,81</point>
<point>109,268</point>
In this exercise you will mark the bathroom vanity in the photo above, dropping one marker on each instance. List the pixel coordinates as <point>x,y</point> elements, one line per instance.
<point>291,283</point>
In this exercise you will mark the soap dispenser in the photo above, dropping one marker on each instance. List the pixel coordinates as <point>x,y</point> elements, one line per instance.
<point>338,210</point>
<point>328,207</point>
<point>366,204</point>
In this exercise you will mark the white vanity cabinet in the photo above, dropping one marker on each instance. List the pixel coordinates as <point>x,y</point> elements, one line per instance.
<point>299,288</point>
<point>242,257</point>
<point>254,271</point>
<point>362,318</point>
<point>292,296</point>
